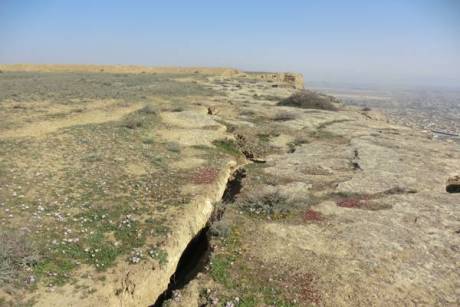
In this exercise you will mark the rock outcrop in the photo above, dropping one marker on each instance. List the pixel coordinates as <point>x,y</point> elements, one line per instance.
<point>294,80</point>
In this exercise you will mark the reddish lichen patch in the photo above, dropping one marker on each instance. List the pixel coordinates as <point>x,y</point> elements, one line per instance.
<point>355,202</point>
<point>303,287</point>
<point>308,292</point>
<point>312,215</point>
<point>204,175</point>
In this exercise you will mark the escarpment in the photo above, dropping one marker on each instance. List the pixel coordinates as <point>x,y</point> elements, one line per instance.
<point>197,187</point>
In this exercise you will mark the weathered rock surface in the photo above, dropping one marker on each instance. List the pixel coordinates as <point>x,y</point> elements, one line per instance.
<point>294,80</point>
<point>378,226</point>
<point>340,208</point>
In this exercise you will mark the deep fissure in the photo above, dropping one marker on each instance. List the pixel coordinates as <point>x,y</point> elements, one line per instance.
<point>196,255</point>
<point>234,185</point>
<point>192,261</point>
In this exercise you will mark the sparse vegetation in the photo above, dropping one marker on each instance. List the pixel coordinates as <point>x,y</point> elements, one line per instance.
<point>310,100</point>
<point>325,135</point>
<point>17,257</point>
<point>247,113</point>
<point>177,109</point>
<point>261,203</point>
<point>133,123</point>
<point>205,175</point>
<point>298,141</point>
<point>284,116</point>
<point>148,140</point>
<point>228,146</point>
<point>254,144</point>
<point>220,229</point>
<point>64,88</point>
<point>92,157</point>
<point>104,192</point>
<point>173,147</point>
<point>159,254</point>
<point>247,281</point>
<point>220,265</point>
<point>91,211</point>
<point>148,109</point>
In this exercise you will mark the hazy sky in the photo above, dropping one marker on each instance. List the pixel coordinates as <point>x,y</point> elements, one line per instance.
<point>414,41</point>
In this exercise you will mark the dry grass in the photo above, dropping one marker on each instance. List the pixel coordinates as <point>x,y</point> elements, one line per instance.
<point>132,69</point>
<point>17,257</point>
<point>306,99</point>
<point>68,175</point>
<point>265,204</point>
<point>205,175</point>
<point>75,88</point>
<point>149,109</point>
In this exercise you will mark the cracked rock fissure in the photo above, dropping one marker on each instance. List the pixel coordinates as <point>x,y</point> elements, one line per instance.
<point>196,255</point>
<point>193,260</point>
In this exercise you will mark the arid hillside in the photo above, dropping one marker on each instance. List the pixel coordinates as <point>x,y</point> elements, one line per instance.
<point>134,186</point>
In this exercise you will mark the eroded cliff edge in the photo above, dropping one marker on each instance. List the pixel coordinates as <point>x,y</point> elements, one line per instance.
<point>335,207</point>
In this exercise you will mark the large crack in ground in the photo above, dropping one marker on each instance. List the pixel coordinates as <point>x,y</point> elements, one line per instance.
<point>196,255</point>
<point>192,261</point>
<point>234,185</point>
